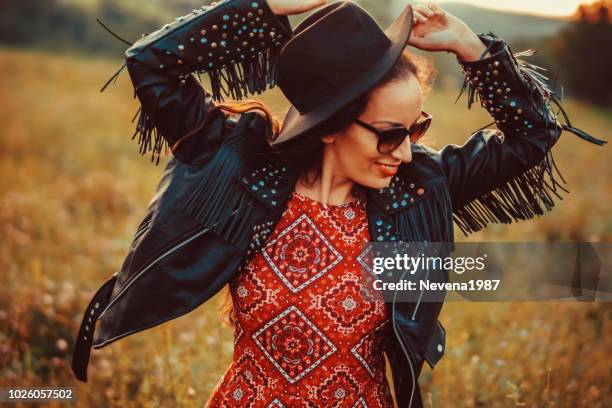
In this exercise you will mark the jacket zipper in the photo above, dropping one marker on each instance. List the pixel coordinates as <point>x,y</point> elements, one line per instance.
<point>151,264</point>
<point>416,308</point>
<point>406,352</point>
<point>160,257</point>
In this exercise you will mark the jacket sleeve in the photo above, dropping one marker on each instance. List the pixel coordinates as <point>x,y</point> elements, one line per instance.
<point>505,174</point>
<point>236,42</point>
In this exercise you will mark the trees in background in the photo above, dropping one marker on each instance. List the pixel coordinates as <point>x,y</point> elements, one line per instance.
<point>578,55</point>
<point>62,26</point>
<point>584,52</point>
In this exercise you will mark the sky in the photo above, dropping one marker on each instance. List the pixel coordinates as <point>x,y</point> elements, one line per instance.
<point>542,7</point>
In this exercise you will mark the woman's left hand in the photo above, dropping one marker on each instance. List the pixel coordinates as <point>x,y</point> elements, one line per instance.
<point>437,30</point>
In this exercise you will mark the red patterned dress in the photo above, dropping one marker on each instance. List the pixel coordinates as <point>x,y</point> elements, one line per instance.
<point>304,335</point>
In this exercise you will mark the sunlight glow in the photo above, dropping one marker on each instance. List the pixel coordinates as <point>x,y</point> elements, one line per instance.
<point>552,8</point>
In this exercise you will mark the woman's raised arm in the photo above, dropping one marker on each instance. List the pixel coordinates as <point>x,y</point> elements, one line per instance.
<point>508,173</point>
<point>235,42</point>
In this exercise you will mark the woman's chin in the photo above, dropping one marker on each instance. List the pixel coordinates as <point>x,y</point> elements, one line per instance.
<point>378,182</point>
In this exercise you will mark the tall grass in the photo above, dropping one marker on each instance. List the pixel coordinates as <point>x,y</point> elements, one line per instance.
<point>73,190</point>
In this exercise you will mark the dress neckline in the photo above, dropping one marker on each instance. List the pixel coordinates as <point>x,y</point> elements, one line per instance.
<point>355,203</point>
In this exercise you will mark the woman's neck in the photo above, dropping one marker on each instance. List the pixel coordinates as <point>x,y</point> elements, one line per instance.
<point>330,188</point>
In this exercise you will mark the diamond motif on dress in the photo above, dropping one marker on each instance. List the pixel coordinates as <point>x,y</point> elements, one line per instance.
<point>249,291</point>
<point>368,351</point>
<point>364,258</point>
<point>276,404</point>
<point>301,254</point>
<point>248,383</point>
<point>338,389</point>
<point>293,344</point>
<point>349,214</point>
<point>360,403</point>
<point>346,222</point>
<point>383,392</point>
<point>238,331</point>
<point>345,305</point>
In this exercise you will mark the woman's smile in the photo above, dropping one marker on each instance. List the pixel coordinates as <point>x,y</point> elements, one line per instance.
<point>388,170</point>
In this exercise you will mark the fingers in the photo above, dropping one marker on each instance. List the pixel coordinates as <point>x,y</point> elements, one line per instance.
<point>436,8</point>
<point>424,11</point>
<point>421,12</point>
<point>417,17</point>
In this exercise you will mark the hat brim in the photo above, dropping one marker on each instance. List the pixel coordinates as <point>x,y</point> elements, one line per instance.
<point>296,124</point>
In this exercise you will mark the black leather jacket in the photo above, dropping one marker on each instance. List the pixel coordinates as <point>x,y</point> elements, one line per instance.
<point>221,194</point>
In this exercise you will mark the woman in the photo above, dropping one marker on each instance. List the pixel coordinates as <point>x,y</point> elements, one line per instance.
<point>281,214</point>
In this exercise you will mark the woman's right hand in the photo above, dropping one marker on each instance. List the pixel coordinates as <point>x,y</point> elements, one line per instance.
<point>287,7</point>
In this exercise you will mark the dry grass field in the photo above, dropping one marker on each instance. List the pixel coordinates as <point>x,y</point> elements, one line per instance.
<point>73,190</point>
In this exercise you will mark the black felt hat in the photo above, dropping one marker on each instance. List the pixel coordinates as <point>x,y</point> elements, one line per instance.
<point>335,55</point>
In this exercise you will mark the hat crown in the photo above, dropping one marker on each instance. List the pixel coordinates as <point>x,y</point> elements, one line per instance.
<point>331,49</point>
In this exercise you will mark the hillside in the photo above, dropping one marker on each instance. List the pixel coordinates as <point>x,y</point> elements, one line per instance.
<point>505,24</point>
<point>71,24</point>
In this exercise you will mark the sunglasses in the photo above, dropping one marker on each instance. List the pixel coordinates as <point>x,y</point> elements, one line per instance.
<point>391,138</point>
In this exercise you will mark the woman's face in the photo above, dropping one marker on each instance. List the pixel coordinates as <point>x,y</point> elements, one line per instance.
<point>354,152</point>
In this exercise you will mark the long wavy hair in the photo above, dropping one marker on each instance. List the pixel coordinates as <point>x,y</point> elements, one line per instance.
<point>306,153</point>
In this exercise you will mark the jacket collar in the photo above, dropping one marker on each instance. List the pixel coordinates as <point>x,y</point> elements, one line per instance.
<point>404,190</point>
<point>272,183</point>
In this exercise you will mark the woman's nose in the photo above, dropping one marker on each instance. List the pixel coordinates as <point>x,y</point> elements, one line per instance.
<point>403,152</point>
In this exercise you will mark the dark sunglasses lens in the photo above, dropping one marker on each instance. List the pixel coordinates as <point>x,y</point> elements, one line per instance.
<point>419,130</point>
<point>390,139</point>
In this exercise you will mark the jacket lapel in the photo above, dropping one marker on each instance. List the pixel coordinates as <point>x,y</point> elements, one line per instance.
<point>401,193</point>
<point>272,183</point>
